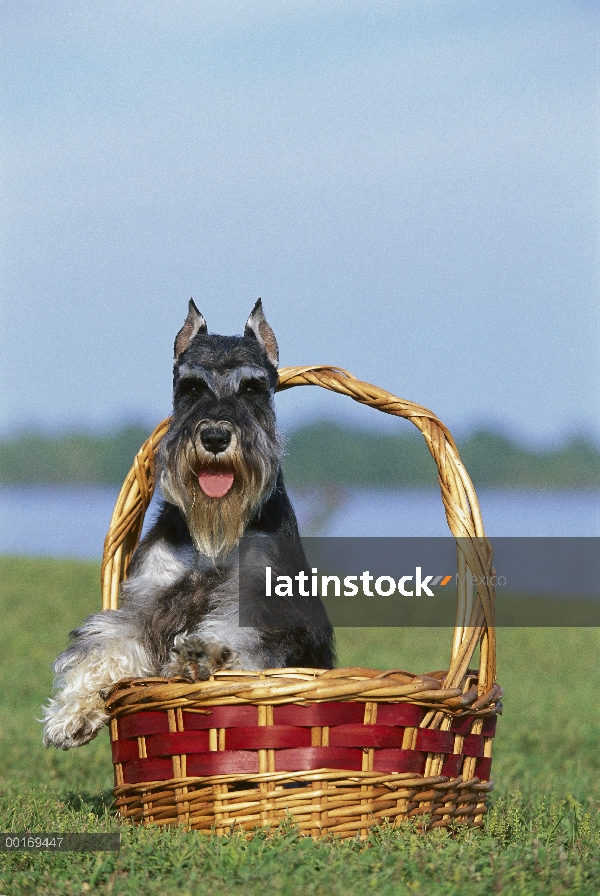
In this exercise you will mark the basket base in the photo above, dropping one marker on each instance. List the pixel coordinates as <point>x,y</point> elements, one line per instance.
<point>326,803</point>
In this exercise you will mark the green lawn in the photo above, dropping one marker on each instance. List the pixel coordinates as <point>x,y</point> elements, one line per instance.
<point>542,834</point>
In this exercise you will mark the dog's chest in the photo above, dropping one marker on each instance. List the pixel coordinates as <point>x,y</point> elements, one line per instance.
<point>180,591</point>
<point>221,623</point>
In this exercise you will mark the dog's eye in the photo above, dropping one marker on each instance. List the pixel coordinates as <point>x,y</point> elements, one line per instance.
<point>192,389</point>
<point>252,387</point>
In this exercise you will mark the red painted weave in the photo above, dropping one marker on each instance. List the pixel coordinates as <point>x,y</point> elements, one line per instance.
<point>318,757</point>
<point>452,765</point>
<point>473,745</point>
<point>290,737</point>
<point>319,714</point>
<point>147,770</point>
<point>399,761</point>
<point>435,741</point>
<point>267,738</point>
<point>365,736</point>
<point>489,726</point>
<point>221,717</point>
<point>231,762</point>
<point>177,743</point>
<point>141,723</point>
<point>483,768</point>
<point>123,750</point>
<point>404,714</point>
<point>462,726</point>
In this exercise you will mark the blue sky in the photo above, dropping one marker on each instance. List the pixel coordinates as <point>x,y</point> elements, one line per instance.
<point>412,188</point>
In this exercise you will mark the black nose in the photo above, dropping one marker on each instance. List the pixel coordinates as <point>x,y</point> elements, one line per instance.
<point>215,439</point>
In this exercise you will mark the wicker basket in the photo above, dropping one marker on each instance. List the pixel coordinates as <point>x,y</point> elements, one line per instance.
<point>338,751</point>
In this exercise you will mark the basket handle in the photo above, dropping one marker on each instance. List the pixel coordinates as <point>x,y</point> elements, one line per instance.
<point>474,617</point>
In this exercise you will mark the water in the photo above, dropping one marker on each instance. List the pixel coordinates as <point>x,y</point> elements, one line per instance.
<point>72,522</point>
<point>412,513</point>
<point>55,521</point>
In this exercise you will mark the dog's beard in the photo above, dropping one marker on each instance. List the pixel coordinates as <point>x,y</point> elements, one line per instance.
<point>217,524</point>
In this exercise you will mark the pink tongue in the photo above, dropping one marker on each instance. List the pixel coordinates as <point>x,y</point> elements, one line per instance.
<point>215,485</point>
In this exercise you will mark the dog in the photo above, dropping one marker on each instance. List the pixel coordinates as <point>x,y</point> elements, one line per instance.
<point>221,480</point>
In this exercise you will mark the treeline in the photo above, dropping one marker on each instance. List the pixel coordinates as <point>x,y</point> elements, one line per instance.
<point>73,458</point>
<point>322,453</point>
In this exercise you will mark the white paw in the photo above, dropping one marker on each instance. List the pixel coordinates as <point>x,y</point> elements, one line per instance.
<point>72,726</point>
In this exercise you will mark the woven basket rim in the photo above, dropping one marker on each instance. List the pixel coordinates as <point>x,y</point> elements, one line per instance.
<point>279,687</point>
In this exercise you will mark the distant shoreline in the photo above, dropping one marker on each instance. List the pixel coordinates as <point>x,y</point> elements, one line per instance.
<point>322,454</point>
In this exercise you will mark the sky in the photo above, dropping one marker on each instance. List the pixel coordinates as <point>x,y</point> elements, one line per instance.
<point>411,187</point>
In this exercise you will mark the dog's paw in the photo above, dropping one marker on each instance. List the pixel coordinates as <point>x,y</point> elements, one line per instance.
<point>67,726</point>
<point>196,659</point>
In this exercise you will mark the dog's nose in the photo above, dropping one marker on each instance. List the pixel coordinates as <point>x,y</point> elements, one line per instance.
<point>215,439</point>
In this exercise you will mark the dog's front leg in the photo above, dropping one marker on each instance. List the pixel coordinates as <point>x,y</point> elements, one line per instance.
<point>103,653</point>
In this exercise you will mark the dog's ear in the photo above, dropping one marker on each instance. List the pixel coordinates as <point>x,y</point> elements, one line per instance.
<point>258,328</point>
<point>194,324</point>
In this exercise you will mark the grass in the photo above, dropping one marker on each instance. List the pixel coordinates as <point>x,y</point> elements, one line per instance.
<point>542,834</point>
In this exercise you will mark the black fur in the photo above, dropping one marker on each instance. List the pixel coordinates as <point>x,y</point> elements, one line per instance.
<point>230,379</point>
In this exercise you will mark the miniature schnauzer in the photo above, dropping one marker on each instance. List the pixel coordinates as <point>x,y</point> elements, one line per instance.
<point>220,473</point>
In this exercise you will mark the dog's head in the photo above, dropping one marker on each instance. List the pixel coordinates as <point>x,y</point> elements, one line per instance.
<point>222,454</point>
